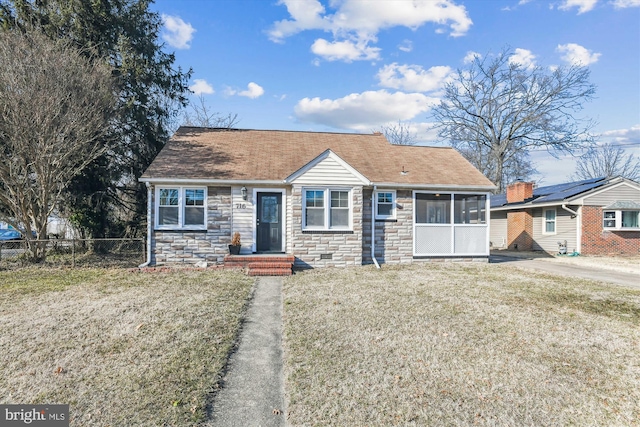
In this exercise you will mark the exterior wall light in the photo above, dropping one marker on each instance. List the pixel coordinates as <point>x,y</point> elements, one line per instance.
<point>243,190</point>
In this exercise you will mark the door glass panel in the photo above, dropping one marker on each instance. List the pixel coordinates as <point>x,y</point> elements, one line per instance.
<point>269,209</point>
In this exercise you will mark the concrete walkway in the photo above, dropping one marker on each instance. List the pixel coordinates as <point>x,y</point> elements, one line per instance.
<point>252,392</point>
<point>541,264</point>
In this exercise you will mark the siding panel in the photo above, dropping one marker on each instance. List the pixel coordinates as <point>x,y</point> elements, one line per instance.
<point>566,229</point>
<point>498,229</point>
<point>242,214</point>
<point>607,197</point>
<point>328,172</point>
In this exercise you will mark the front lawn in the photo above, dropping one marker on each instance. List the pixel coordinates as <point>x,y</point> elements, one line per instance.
<point>459,344</point>
<point>121,347</point>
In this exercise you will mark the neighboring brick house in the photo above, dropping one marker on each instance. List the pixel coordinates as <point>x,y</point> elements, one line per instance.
<point>316,196</point>
<point>592,217</point>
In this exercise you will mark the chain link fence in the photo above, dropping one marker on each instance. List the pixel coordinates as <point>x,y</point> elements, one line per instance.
<point>76,253</point>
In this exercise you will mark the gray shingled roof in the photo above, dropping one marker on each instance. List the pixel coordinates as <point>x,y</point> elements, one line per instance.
<point>624,204</point>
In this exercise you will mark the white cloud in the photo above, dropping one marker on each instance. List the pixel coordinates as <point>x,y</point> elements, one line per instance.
<point>523,57</point>
<point>357,22</point>
<point>582,5</point>
<point>621,4</point>
<point>253,91</point>
<point>344,50</point>
<point>577,55</point>
<point>200,87</point>
<point>406,46</point>
<point>629,136</point>
<point>177,33</point>
<point>413,77</point>
<point>363,111</point>
<point>471,56</point>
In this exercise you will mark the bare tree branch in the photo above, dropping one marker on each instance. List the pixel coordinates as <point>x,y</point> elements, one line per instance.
<point>607,161</point>
<point>399,134</point>
<point>55,106</point>
<point>496,111</point>
<point>202,116</point>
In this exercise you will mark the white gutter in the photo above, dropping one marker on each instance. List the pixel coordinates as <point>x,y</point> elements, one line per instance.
<point>429,187</point>
<point>435,187</point>
<point>564,206</point>
<point>373,227</point>
<point>149,206</point>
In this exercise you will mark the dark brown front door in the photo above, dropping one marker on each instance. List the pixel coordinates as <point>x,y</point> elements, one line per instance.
<point>269,222</point>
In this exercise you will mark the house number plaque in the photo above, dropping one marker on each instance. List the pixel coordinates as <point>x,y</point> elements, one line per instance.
<point>241,206</point>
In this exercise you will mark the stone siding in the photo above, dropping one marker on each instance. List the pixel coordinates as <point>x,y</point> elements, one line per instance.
<point>190,247</point>
<point>393,238</point>
<point>326,248</point>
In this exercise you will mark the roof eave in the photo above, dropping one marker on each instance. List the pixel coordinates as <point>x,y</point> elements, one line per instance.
<point>201,181</point>
<point>419,186</point>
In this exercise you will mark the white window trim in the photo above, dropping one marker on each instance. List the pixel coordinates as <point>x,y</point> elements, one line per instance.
<point>618,220</point>
<point>181,207</point>
<point>393,204</point>
<point>544,222</point>
<point>327,209</point>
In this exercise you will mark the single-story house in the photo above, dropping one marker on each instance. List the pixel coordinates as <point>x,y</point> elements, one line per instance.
<point>319,197</point>
<point>592,217</point>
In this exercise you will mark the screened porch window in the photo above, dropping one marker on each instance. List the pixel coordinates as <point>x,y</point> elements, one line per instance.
<point>433,208</point>
<point>469,209</point>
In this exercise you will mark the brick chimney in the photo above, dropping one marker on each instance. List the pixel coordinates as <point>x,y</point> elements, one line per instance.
<point>519,191</point>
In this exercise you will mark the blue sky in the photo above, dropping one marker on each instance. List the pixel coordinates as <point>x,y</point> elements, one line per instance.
<point>354,65</point>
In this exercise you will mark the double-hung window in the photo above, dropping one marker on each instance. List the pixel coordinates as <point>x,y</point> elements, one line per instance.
<point>181,207</point>
<point>326,209</point>
<point>385,204</point>
<point>549,225</point>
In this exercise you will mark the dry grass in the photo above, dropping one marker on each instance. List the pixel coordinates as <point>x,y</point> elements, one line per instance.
<point>121,347</point>
<point>459,345</point>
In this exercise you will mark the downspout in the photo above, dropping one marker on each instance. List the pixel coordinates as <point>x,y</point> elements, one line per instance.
<point>564,206</point>
<point>578,226</point>
<point>149,206</point>
<point>373,227</point>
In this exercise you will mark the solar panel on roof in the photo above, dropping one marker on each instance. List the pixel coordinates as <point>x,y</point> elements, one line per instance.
<point>568,192</point>
<point>498,200</point>
<point>557,188</point>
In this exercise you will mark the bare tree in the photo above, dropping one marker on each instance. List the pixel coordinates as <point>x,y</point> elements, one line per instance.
<point>55,106</point>
<point>202,116</point>
<point>499,109</point>
<point>607,161</point>
<point>399,134</point>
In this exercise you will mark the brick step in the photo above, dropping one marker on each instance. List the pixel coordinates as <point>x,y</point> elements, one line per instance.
<point>269,264</point>
<point>270,272</point>
<point>261,265</point>
<point>258,258</point>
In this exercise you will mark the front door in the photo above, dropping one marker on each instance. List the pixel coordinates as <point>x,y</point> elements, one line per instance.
<point>269,222</point>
